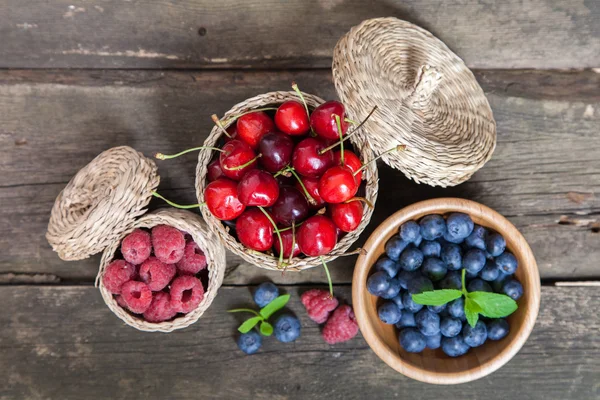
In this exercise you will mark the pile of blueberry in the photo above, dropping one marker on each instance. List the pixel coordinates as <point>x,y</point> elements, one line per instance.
<point>429,255</point>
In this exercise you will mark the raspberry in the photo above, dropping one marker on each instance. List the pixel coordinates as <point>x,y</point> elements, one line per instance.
<point>136,247</point>
<point>137,296</point>
<point>121,301</point>
<point>160,309</point>
<point>193,260</point>
<point>186,293</point>
<point>116,274</point>
<point>168,243</point>
<point>156,274</point>
<point>341,326</point>
<point>318,304</point>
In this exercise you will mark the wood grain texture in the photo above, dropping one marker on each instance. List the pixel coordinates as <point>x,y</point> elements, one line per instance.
<point>64,342</point>
<point>544,175</point>
<point>298,33</point>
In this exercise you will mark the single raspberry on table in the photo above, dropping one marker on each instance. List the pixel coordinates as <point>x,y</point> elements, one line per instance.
<point>168,243</point>
<point>318,304</point>
<point>116,274</point>
<point>341,326</point>
<point>186,293</point>
<point>160,309</point>
<point>136,247</point>
<point>137,296</point>
<point>193,260</point>
<point>156,274</point>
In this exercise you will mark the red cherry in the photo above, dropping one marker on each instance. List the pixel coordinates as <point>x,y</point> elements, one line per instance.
<point>337,185</point>
<point>254,230</point>
<point>317,236</point>
<point>290,207</point>
<point>276,149</point>
<point>291,118</point>
<point>222,199</point>
<point>312,187</point>
<point>233,133</point>
<point>307,160</point>
<point>283,180</point>
<point>252,127</point>
<point>286,238</point>
<point>214,171</point>
<point>351,161</point>
<point>346,216</point>
<point>258,188</point>
<point>324,124</point>
<point>236,153</point>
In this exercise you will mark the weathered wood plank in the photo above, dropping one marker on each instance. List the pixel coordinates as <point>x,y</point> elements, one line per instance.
<point>545,166</point>
<point>63,342</point>
<point>270,33</point>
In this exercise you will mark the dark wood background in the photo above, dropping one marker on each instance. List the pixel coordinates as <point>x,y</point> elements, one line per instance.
<point>79,77</point>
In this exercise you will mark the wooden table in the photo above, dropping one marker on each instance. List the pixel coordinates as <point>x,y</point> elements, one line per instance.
<point>81,76</point>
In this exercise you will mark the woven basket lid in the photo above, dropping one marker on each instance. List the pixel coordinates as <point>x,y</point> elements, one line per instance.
<point>427,100</point>
<point>101,201</point>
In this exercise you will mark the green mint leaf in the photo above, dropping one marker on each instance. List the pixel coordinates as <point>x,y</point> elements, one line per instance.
<point>494,305</point>
<point>472,311</point>
<point>275,305</point>
<point>437,297</point>
<point>266,329</point>
<point>244,310</point>
<point>249,324</point>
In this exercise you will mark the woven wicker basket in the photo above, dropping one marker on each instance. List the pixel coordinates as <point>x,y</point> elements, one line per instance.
<point>427,98</point>
<point>100,206</point>
<point>263,260</point>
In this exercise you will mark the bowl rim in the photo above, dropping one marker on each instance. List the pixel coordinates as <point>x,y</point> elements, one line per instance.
<point>362,269</point>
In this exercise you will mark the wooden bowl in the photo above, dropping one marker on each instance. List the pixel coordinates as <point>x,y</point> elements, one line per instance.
<point>433,366</point>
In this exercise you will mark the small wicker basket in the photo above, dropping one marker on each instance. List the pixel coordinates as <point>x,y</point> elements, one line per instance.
<point>101,205</point>
<point>263,260</point>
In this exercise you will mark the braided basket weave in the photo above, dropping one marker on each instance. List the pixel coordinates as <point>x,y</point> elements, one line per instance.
<point>427,98</point>
<point>263,260</point>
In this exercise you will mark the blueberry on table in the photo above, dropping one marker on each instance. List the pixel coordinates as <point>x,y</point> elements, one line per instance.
<point>432,226</point>
<point>411,259</point>
<point>495,244</point>
<point>412,340</point>
<point>394,247</point>
<point>450,327</point>
<point>474,261</point>
<point>428,322</point>
<point>407,320</point>
<point>454,346</point>
<point>249,342</point>
<point>378,283</point>
<point>456,308</point>
<point>409,304</point>
<point>410,231</point>
<point>476,240</point>
<point>434,268</point>
<point>286,328</point>
<point>459,225</point>
<point>420,284</point>
<point>476,336</point>
<point>389,313</point>
<point>434,341</point>
<point>452,256</point>
<point>437,309</point>
<point>507,263</point>
<point>392,291</point>
<point>479,285</point>
<point>490,271</point>
<point>265,293</point>
<point>497,328</point>
<point>513,289</point>
<point>452,280</point>
<point>388,265</point>
<point>430,248</point>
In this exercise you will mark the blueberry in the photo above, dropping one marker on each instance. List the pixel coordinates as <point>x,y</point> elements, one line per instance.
<point>474,261</point>
<point>417,242</point>
<point>410,231</point>
<point>456,309</point>
<point>419,284</point>
<point>287,328</point>
<point>407,320</point>
<point>476,239</point>
<point>437,309</point>
<point>398,301</point>
<point>471,275</point>
<point>409,304</point>
<point>451,239</point>
<point>411,259</point>
<point>455,346</point>
<point>497,329</point>
<point>406,276</point>
<point>513,289</point>
<point>389,313</point>
<point>412,340</point>
<point>388,265</point>
<point>459,225</point>
<point>249,342</point>
<point>430,248</point>
<point>452,256</point>
<point>474,336</point>
<point>392,291</point>
<point>507,263</point>
<point>499,281</point>
<point>432,226</point>
<point>452,280</point>
<point>434,268</point>
<point>265,293</point>
<point>450,327</point>
<point>479,285</point>
<point>378,283</point>
<point>394,247</point>
<point>495,244</point>
<point>490,272</point>
<point>433,341</point>
<point>428,322</point>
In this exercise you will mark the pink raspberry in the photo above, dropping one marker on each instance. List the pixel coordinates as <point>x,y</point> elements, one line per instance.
<point>341,326</point>
<point>318,304</point>
<point>160,309</point>
<point>137,296</point>
<point>116,274</point>
<point>121,301</point>
<point>186,293</point>
<point>193,260</point>
<point>136,247</point>
<point>168,243</point>
<point>156,274</point>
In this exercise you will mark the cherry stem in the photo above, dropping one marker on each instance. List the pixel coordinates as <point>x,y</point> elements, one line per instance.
<point>244,165</point>
<point>231,119</point>
<point>220,125</point>
<point>283,171</point>
<point>350,133</point>
<point>367,202</point>
<point>339,127</point>
<point>400,147</point>
<point>299,93</point>
<point>310,199</point>
<point>278,235</point>
<point>161,156</point>
<point>350,121</point>
<point>169,202</point>
<point>328,277</point>
<point>289,227</point>
<point>293,243</point>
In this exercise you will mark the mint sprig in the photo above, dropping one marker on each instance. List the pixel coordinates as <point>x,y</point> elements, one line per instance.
<point>265,328</point>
